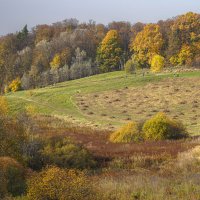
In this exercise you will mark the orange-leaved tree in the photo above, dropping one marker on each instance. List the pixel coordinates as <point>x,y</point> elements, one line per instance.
<point>147,43</point>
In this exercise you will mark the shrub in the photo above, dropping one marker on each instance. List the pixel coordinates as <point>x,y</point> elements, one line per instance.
<point>130,67</point>
<point>128,133</point>
<point>33,154</point>
<point>157,63</point>
<point>161,127</point>
<point>12,177</point>
<point>55,183</point>
<point>31,110</point>
<point>15,85</point>
<point>64,153</point>
<point>12,138</point>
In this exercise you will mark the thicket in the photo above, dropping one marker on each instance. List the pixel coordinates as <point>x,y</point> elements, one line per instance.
<point>12,177</point>
<point>55,183</point>
<point>130,132</point>
<point>159,127</point>
<point>64,153</point>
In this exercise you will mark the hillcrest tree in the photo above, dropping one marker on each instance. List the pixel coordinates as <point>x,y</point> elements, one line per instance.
<point>147,44</point>
<point>109,52</point>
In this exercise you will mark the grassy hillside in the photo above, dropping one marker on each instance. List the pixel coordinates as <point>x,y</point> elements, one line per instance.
<point>112,99</point>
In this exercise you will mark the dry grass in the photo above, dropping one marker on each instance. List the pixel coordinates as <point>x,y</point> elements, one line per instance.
<point>97,141</point>
<point>127,186</point>
<point>177,97</point>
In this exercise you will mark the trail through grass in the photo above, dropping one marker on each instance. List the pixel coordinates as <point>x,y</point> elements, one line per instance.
<point>68,99</point>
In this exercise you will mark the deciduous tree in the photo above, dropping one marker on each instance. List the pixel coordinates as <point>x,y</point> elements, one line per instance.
<point>109,52</point>
<point>147,43</point>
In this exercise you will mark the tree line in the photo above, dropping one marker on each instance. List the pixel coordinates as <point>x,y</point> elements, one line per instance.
<point>68,50</point>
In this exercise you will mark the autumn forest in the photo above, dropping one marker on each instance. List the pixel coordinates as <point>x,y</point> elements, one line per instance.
<point>68,50</point>
<point>101,112</point>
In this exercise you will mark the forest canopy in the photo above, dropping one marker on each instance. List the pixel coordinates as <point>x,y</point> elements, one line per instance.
<point>68,50</point>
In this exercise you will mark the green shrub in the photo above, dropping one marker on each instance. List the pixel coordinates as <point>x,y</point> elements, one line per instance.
<point>131,132</point>
<point>129,67</point>
<point>161,127</point>
<point>12,177</point>
<point>66,154</point>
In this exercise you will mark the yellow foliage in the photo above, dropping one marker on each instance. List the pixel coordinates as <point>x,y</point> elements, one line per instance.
<point>185,56</point>
<point>161,127</point>
<point>186,30</point>
<point>147,43</point>
<point>31,110</point>
<point>128,133</point>
<point>56,62</point>
<point>55,183</point>
<point>15,85</point>
<point>174,60</point>
<point>157,63</point>
<point>187,22</point>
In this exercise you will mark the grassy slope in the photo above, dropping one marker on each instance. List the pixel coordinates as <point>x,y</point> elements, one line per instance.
<point>61,99</point>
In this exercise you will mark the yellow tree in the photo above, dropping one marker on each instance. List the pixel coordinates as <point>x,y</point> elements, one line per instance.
<point>147,43</point>
<point>157,63</point>
<point>109,52</point>
<point>56,62</point>
<point>184,41</point>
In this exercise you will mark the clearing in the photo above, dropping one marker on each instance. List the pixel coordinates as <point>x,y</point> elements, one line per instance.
<point>112,99</point>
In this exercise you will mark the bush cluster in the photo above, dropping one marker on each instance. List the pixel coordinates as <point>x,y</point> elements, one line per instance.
<point>66,154</point>
<point>55,183</point>
<point>57,151</point>
<point>128,133</point>
<point>159,127</point>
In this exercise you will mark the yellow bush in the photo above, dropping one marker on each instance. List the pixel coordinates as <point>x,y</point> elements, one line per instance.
<point>161,127</point>
<point>128,133</point>
<point>15,85</point>
<point>55,183</point>
<point>157,63</point>
<point>31,110</point>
